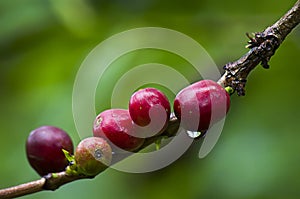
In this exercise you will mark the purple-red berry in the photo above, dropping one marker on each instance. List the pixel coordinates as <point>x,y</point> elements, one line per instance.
<point>44,149</point>
<point>201,104</point>
<point>92,155</point>
<point>143,101</point>
<point>117,126</point>
<point>150,108</point>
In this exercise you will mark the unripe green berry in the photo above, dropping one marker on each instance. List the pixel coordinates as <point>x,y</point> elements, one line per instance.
<point>92,156</point>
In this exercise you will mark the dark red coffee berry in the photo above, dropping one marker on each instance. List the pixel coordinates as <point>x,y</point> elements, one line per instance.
<point>118,127</point>
<point>201,104</point>
<point>92,155</point>
<point>44,149</point>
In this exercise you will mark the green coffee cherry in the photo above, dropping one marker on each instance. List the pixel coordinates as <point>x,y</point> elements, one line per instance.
<point>92,156</point>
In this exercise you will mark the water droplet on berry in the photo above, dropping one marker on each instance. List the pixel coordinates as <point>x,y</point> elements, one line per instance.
<point>193,134</point>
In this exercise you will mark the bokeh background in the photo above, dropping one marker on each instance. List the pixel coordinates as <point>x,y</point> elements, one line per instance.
<point>43,42</point>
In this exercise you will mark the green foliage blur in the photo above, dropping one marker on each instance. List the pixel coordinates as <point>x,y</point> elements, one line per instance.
<point>43,43</point>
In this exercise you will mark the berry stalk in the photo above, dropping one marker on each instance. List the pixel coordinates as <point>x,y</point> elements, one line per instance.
<point>262,47</point>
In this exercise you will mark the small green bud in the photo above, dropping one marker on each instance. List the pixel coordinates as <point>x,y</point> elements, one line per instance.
<point>229,90</point>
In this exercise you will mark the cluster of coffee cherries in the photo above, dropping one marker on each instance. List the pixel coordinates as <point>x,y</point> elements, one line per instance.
<point>197,107</point>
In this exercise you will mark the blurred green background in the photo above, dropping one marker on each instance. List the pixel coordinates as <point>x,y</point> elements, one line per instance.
<point>43,43</point>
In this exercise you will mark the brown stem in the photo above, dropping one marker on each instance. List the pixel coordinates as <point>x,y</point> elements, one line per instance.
<point>262,47</point>
<point>52,181</point>
<point>23,189</point>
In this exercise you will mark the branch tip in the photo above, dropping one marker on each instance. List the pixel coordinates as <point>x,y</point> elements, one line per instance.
<point>262,47</point>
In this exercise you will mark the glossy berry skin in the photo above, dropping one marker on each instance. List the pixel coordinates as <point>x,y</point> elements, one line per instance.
<point>117,126</point>
<point>201,104</point>
<point>44,149</point>
<point>146,100</point>
<point>92,155</point>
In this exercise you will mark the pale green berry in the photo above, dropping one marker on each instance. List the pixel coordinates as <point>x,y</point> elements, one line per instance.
<point>92,156</point>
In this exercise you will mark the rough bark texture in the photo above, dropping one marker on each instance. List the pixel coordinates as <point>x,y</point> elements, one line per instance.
<point>262,47</point>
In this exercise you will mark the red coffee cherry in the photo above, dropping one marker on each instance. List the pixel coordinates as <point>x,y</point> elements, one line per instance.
<point>150,105</point>
<point>118,127</point>
<point>201,104</point>
<point>44,149</point>
<point>92,155</point>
